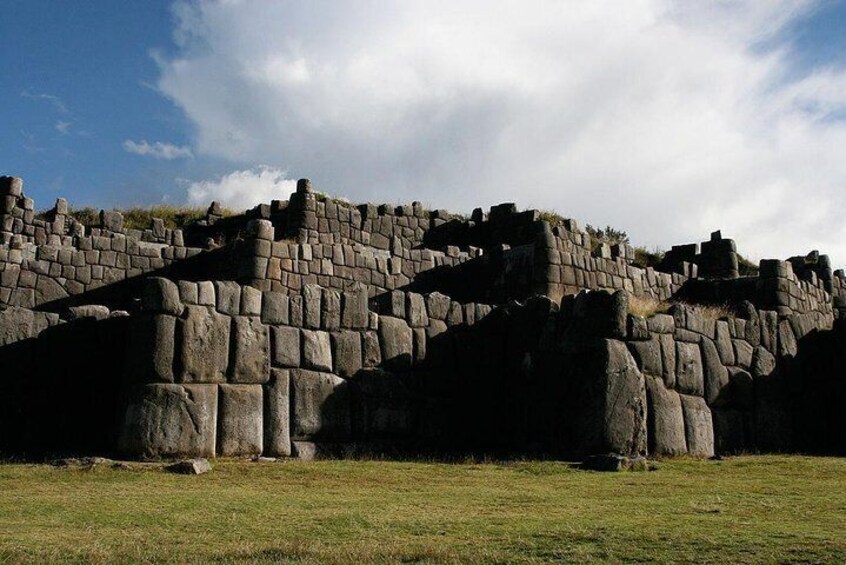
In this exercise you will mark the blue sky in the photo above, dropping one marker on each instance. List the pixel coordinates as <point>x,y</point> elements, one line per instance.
<point>665,118</point>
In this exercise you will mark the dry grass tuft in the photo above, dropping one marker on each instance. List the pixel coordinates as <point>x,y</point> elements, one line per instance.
<point>646,306</point>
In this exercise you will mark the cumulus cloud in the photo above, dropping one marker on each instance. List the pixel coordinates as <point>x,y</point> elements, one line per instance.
<point>240,190</point>
<point>664,118</point>
<point>158,150</point>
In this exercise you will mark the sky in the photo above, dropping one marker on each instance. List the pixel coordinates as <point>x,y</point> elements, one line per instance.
<point>664,118</point>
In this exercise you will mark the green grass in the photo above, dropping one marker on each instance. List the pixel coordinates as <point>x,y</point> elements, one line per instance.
<point>764,509</point>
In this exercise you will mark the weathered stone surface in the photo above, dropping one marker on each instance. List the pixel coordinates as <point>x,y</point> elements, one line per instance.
<point>330,310</point>
<point>275,308</point>
<point>437,305</point>
<point>372,352</point>
<point>665,420</point>
<point>321,406</point>
<point>716,375</point>
<point>251,350</point>
<point>240,421</point>
<point>150,348</point>
<point>169,420</point>
<point>228,294</point>
<point>395,337</point>
<point>787,346</point>
<point>723,343</point>
<point>312,297</point>
<point>647,354</point>
<point>189,467</point>
<point>354,308</point>
<point>689,375</point>
<point>612,408</point>
<point>346,346</point>
<point>277,414</point>
<point>204,339</point>
<point>668,359</point>
<point>743,353</point>
<point>250,301</point>
<point>416,311</point>
<point>661,323</point>
<point>317,350</point>
<point>16,324</point>
<point>698,425</point>
<point>161,296</point>
<point>286,346</point>
<point>763,362</point>
<point>94,311</point>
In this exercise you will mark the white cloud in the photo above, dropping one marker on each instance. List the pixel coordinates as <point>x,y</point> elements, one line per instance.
<point>63,127</point>
<point>240,190</point>
<point>158,150</point>
<point>665,118</point>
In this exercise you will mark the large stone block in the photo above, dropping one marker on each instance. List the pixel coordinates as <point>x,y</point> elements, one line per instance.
<point>647,354</point>
<point>416,311</point>
<point>286,346</point>
<point>312,297</point>
<point>698,426</point>
<point>321,406</point>
<point>251,351</point>
<point>161,295</point>
<point>690,378</point>
<point>240,421</point>
<point>346,346</point>
<point>150,348</point>
<point>716,374</point>
<point>228,295</point>
<point>277,414</point>
<point>668,359</point>
<point>612,403</point>
<point>274,309</point>
<point>204,339</point>
<point>665,420</point>
<point>170,420</point>
<point>396,341</point>
<point>317,350</point>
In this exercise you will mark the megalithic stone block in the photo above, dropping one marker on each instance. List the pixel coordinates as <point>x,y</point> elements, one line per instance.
<point>204,345</point>
<point>277,414</point>
<point>251,350</point>
<point>240,429</point>
<point>170,420</point>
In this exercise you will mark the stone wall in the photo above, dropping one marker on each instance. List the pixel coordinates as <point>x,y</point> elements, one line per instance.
<point>44,261</point>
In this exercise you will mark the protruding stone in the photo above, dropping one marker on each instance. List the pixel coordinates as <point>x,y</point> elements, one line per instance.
<point>161,296</point>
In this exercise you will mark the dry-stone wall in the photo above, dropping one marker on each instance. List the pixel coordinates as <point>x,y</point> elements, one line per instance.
<point>314,327</point>
<point>43,261</point>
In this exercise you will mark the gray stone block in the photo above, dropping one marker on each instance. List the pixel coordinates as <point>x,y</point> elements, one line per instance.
<point>647,354</point>
<point>698,425</point>
<point>204,339</point>
<point>161,296</point>
<point>437,305</point>
<point>228,297</point>
<point>317,350</point>
<point>395,337</point>
<point>690,378</point>
<point>150,348</point>
<point>250,301</point>
<point>277,414</point>
<point>312,297</point>
<point>347,355</point>
<point>416,311</point>
<point>251,350</point>
<point>716,374</point>
<point>665,419</point>
<point>275,308</point>
<point>286,346</point>
<point>240,424</point>
<point>321,406</point>
<point>170,420</point>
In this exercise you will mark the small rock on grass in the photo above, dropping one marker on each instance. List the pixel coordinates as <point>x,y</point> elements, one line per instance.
<point>612,462</point>
<point>190,467</point>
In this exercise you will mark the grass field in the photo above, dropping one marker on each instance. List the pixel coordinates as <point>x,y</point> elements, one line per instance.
<point>765,509</point>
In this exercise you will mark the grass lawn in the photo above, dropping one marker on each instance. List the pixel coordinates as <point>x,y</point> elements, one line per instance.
<point>761,509</point>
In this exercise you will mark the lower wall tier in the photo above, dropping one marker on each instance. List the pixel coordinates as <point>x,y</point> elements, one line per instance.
<point>216,369</point>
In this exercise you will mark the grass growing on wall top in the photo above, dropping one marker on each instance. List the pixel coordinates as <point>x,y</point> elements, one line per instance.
<point>766,509</point>
<point>141,218</point>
